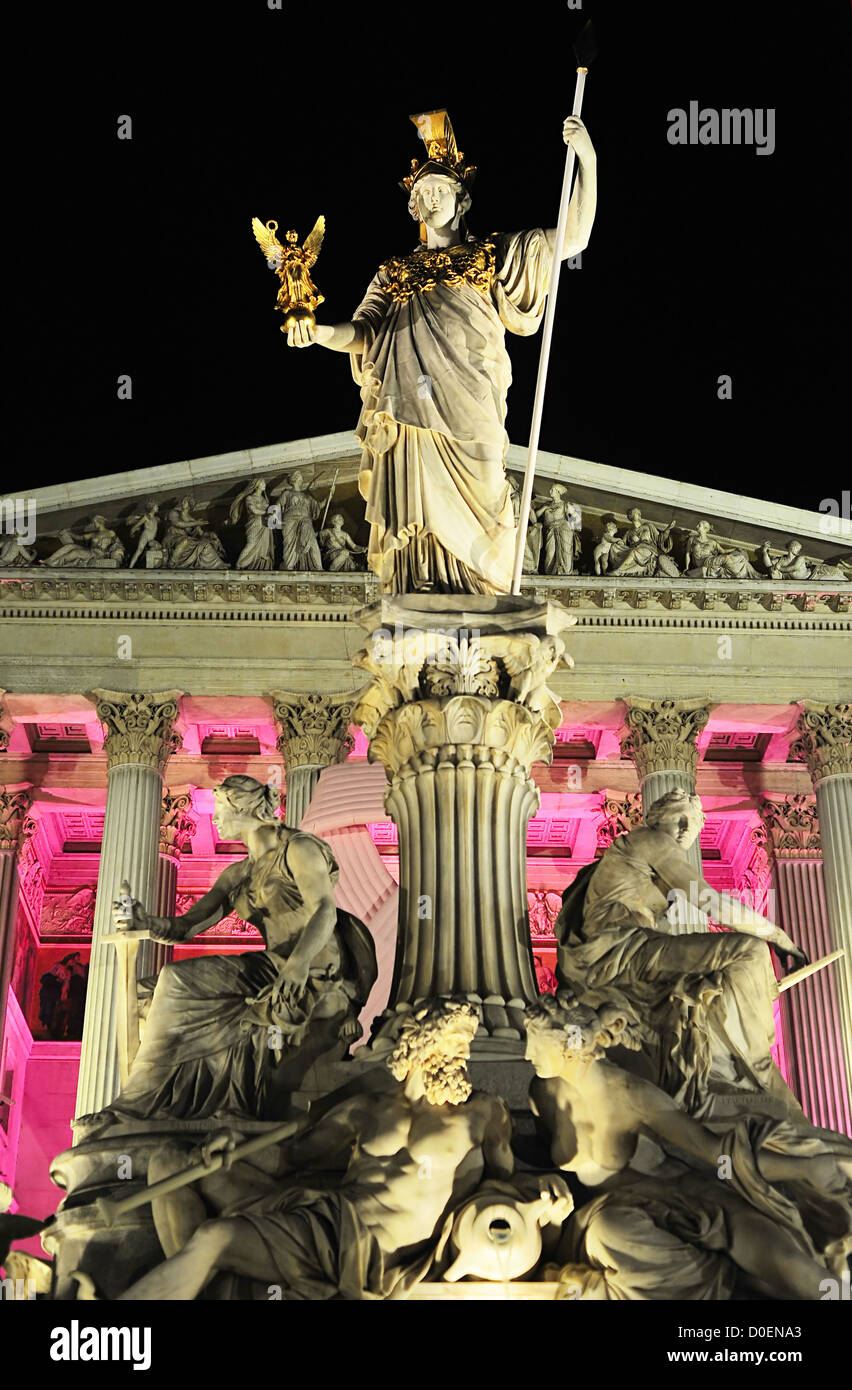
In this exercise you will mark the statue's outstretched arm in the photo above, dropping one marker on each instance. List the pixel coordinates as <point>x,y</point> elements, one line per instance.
<point>340,337</point>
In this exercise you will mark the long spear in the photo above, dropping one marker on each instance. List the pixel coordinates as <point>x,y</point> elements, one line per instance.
<point>110,1210</point>
<point>330,495</point>
<point>585,50</point>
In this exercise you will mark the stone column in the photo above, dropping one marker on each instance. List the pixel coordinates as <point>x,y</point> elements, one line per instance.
<point>458,721</point>
<point>177,828</point>
<point>314,734</point>
<point>825,744</point>
<point>16,827</point>
<point>789,834</point>
<point>660,736</point>
<point>139,739</point>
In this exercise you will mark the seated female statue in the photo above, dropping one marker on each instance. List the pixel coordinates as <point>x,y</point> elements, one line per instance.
<point>216,1021</point>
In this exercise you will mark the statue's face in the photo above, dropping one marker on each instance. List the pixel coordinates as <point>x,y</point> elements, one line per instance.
<point>684,827</point>
<point>224,816</point>
<point>634,516</point>
<point>436,199</point>
<point>297,479</point>
<point>545,1052</point>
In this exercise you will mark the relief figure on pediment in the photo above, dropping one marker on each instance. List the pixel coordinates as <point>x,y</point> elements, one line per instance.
<point>792,564</point>
<point>188,542</point>
<point>561,521</point>
<point>258,553</point>
<point>93,546</point>
<point>532,544</point>
<point>338,546</point>
<point>644,550</point>
<point>298,511</point>
<point>14,554</point>
<point>706,558</point>
<point>146,525</point>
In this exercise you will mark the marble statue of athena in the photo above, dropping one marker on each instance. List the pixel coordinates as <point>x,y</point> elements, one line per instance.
<point>427,345</point>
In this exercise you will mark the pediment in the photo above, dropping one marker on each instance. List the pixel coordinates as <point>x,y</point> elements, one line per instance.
<point>599,491</point>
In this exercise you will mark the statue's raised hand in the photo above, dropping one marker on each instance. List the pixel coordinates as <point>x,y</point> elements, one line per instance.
<point>574,133</point>
<point>791,956</point>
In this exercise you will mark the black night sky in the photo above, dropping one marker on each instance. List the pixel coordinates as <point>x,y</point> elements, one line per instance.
<point>137,256</point>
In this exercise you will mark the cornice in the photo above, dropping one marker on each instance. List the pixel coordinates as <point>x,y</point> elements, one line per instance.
<point>240,596</point>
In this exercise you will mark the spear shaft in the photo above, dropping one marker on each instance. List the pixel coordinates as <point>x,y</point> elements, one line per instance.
<point>544,357</point>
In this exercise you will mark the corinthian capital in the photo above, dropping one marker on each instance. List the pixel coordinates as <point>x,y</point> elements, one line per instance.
<point>314,728</point>
<point>139,726</point>
<point>16,825</point>
<point>825,739</point>
<point>660,735</point>
<point>177,826</point>
<point>789,829</point>
<point>620,814</point>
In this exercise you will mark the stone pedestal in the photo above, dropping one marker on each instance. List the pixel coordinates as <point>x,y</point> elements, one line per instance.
<point>314,734</point>
<point>457,712</point>
<point>16,827</point>
<point>660,736</point>
<point>825,744</point>
<point>139,738</point>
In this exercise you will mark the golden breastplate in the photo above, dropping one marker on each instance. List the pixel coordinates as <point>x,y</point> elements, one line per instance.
<point>471,263</point>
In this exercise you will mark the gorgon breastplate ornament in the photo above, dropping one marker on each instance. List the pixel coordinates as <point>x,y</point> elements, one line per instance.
<point>471,263</point>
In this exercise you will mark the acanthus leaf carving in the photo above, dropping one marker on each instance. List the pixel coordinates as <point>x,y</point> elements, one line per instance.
<point>139,726</point>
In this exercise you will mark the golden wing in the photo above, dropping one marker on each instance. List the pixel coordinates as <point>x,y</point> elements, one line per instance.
<point>313,242</point>
<point>266,238</point>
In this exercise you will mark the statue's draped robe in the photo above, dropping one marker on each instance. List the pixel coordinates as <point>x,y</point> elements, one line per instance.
<point>434,375</point>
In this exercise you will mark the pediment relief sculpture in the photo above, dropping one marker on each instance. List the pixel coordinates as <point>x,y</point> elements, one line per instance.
<point>240,530</point>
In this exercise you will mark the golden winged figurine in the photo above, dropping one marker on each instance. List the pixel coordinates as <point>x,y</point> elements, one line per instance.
<point>298,296</point>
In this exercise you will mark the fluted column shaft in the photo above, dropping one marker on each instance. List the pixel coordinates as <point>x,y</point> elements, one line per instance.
<point>139,739</point>
<point>834,808</point>
<point>462,813</point>
<point>315,733</point>
<point>813,1006</point>
<point>177,828</point>
<point>825,743</point>
<point>660,736</point>
<point>16,826</point>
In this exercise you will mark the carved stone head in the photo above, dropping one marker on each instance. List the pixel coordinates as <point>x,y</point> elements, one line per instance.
<point>434,1040</point>
<point>438,200</point>
<point>677,814</point>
